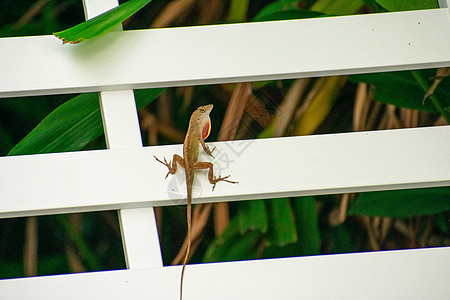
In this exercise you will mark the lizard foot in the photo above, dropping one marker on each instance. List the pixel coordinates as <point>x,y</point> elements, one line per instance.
<point>216,180</point>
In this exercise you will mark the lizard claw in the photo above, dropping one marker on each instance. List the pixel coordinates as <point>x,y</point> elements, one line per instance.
<point>209,152</point>
<point>216,180</point>
<point>165,161</point>
<point>167,164</point>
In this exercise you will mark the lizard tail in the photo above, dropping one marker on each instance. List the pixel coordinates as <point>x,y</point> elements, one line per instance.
<point>189,222</point>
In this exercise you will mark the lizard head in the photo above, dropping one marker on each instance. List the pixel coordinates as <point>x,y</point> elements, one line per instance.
<point>203,120</point>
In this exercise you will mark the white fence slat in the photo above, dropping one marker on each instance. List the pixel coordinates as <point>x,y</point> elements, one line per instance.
<point>138,226</point>
<point>444,3</point>
<point>120,120</point>
<point>266,168</point>
<point>121,124</point>
<point>140,238</point>
<point>129,179</point>
<point>93,8</point>
<point>226,53</point>
<point>407,274</point>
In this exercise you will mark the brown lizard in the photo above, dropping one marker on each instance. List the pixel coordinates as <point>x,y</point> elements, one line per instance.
<point>199,128</point>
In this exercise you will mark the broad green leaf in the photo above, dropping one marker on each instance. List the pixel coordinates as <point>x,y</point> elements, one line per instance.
<point>72,125</point>
<point>289,9</point>
<point>276,7</point>
<point>400,5</point>
<point>289,15</point>
<point>425,85</point>
<point>231,245</point>
<point>284,10</point>
<point>282,229</point>
<point>253,216</point>
<point>307,225</point>
<point>333,7</point>
<point>402,203</point>
<point>101,24</point>
<point>402,90</point>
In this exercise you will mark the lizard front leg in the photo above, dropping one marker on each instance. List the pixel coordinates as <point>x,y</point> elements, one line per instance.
<point>206,148</point>
<point>207,165</point>
<point>172,168</point>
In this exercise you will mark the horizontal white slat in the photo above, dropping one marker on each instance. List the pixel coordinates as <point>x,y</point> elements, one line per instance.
<point>226,53</point>
<point>407,274</point>
<point>266,168</point>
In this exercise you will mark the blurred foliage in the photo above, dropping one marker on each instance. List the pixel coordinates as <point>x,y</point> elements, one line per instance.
<point>408,5</point>
<point>256,229</point>
<point>402,204</point>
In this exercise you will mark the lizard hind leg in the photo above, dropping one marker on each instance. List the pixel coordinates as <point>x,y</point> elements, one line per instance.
<point>172,167</point>
<point>207,165</point>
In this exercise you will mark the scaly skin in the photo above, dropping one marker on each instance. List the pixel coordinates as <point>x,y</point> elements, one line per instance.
<point>198,131</point>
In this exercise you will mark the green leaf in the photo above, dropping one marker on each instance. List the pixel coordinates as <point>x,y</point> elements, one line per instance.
<point>232,246</point>
<point>69,127</point>
<point>402,203</point>
<point>100,24</point>
<point>422,81</point>
<point>284,10</point>
<point>282,229</point>
<point>400,5</point>
<point>253,216</point>
<point>276,7</point>
<point>307,225</point>
<point>309,242</point>
<point>402,89</point>
<point>72,125</point>
<point>333,7</point>
<point>288,15</point>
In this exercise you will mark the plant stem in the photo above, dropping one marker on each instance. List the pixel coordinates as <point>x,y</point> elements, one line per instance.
<point>425,86</point>
<point>238,10</point>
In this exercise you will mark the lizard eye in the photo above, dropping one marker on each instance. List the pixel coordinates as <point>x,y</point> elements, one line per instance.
<point>202,109</point>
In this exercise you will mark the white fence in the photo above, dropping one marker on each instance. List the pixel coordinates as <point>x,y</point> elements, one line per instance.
<point>126,177</point>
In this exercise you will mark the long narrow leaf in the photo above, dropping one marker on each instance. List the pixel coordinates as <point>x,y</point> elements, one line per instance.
<point>72,125</point>
<point>307,225</point>
<point>253,216</point>
<point>101,24</point>
<point>282,230</point>
<point>231,245</point>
